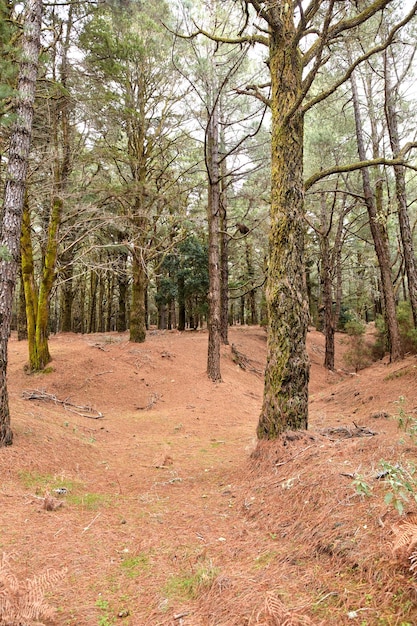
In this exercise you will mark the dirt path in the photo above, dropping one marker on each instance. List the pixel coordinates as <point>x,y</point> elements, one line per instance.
<point>165,518</point>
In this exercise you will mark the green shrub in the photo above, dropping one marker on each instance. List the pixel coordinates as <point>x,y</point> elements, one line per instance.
<point>358,356</point>
<point>380,346</point>
<point>408,333</point>
<point>345,316</point>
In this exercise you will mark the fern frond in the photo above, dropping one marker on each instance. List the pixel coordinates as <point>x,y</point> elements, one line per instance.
<point>21,602</point>
<point>274,607</point>
<point>413,561</point>
<point>406,535</point>
<point>275,613</point>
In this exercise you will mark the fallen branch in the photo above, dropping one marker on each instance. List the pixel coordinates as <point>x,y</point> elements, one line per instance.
<point>243,361</point>
<point>345,432</point>
<point>84,411</point>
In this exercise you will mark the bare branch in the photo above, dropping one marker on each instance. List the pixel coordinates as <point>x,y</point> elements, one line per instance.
<point>380,48</point>
<point>351,167</point>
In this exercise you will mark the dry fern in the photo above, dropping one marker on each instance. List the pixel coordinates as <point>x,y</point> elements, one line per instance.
<point>275,613</point>
<point>406,534</point>
<point>22,603</point>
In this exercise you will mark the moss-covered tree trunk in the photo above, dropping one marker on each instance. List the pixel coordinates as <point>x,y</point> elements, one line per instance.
<point>37,304</point>
<point>22,327</point>
<point>285,403</point>
<point>138,309</point>
<point>14,196</point>
<point>67,291</point>
<point>29,283</point>
<point>43,355</point>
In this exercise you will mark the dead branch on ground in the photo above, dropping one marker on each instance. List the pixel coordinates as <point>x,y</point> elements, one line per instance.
<point>84,411</point>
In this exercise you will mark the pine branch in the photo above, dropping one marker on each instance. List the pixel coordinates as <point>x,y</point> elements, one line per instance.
<point>352,167</point>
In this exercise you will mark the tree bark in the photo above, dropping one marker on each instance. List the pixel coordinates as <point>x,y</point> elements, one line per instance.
<point>67,292</point>
<point>285,403</point>
<point>224,245</point>
<point>337,264</point>
<point>28,278</point>
<point>14,196</point>
<point>326,286</point>
<point>379,236</point>
<point>47,281</point>
<point>400,190</point>
<point>213,217</point>
<point>138,310</point>
<point>22,327</point>
<point>224,264</point>
<point>181,302</point>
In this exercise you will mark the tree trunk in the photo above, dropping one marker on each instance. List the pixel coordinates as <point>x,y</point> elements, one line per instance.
<point>337,264</point>
<point>110,278</point>
<point>22,327</point>
<point>326,287</point>
<point>380,238</point>
<point>28,278</point>
<point>39,355</point>
<point>400,189</point>
<point>101,302</point>
<point>251,275</point>
<point>14,196</point>
<point>224,246</point>
<point>181,303</point>
<point>285,403</point>
<point>47,280</point>
<point>67,292</point>
<point>224,264</point>
<point>122,281</point>
<point>138,310</point>
<point>213,217</point>
<point>92,319</point>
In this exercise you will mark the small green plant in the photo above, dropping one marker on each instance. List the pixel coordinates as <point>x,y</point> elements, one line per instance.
<point>406,422</point>
<point>135,565</point>
<point>263,560</point>
<point>189,586</point>
<point>361,487</point>
<point>40,482</point>
<point>102,604</point>
<point>90,501</point>
<point>106,619</point>
<point>401,483</point>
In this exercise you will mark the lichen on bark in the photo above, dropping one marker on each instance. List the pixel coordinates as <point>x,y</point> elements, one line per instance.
<point>285,402</point>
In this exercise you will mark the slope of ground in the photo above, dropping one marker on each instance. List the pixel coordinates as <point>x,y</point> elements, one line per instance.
<point>135,491</point>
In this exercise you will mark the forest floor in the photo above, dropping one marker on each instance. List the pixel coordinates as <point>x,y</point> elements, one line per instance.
<point>165,512</point>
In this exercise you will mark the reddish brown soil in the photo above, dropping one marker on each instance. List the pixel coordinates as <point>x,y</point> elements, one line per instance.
<point>174,516</point>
